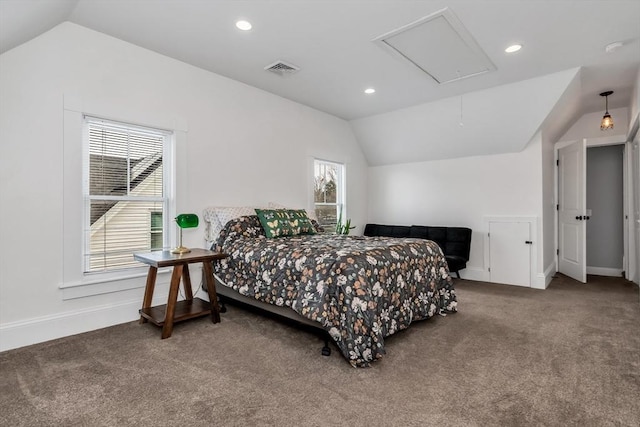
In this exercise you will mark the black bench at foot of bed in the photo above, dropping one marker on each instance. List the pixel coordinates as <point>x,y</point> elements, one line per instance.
<point>455,242</point>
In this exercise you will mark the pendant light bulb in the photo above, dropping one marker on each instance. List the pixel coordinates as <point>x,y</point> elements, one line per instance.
<point>607,120</point>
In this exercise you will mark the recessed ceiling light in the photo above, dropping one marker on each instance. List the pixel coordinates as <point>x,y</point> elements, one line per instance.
<point>513,48</point>
<point>243,25</point>
<point>369,91</point>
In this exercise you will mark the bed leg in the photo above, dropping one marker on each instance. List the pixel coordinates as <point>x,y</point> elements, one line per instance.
<point>222,305</point>
<point>326,351</point>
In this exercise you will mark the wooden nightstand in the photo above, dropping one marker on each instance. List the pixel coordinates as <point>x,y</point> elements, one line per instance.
<point>176,311</point>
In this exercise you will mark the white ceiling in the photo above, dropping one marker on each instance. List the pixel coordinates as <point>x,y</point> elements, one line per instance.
<point>331,41</point>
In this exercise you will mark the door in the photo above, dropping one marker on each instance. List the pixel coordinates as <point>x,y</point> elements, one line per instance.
<point>635,174</point>
<point>510,253</point>
<point>572,189</point>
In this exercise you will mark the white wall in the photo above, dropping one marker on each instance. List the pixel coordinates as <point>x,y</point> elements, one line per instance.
<point>548,200</point>
<point>588,126</point>
<point>472,187</point>
<point>500,119</point>
<point>634,107</point>
<point>243,146</point>
<point>559,120</point>
<point>460,192</point>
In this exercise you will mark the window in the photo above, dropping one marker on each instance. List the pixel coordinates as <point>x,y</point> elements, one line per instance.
<point>328,191</point>
<point>125,192</point>
<point>157,225</point>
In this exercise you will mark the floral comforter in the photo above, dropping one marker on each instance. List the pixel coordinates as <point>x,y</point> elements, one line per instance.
<point>360,289</point>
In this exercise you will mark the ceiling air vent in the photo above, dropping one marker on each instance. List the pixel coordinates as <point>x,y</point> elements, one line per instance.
<point>282,68</point>
<point>439,45</point>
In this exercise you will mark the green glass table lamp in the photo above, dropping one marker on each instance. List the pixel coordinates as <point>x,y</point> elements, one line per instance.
<point>185,221</point>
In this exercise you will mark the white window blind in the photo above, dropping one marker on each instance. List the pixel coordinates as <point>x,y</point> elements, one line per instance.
<point>125,190</point>
<point>328,182</point>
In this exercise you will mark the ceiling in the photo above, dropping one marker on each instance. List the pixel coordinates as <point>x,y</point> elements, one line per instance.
<point>331,42</point>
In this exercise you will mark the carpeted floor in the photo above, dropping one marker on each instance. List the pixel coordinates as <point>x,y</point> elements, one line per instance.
<point>566,356</point>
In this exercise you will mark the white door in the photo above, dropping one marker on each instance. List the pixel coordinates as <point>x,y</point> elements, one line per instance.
<point>510,253</point>
<point>635,174</point>
<point>572,190</point>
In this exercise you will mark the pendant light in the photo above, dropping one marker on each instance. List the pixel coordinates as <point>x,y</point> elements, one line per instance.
<point>607,121</point>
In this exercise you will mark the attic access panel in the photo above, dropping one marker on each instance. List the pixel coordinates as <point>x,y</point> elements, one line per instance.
<point>440,46</point>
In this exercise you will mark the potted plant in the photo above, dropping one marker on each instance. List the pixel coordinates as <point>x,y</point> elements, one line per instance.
<point>343,228</point>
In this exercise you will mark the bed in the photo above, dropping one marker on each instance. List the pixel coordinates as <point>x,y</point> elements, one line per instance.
<point>357,289</point>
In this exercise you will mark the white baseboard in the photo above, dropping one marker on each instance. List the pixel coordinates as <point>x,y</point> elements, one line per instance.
<point>46,328</point>
<point>543,279</point>
<point>603,271</point>
<point>473,273</point>
<point>540,282</point>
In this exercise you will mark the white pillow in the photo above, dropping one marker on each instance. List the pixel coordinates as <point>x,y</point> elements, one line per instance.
<point>227,214</point>
<point>217,217</point>
<point>212,225</point>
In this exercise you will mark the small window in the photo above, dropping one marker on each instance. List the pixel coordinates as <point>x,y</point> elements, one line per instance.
<point>328,190</point>
<point>125,191</point>
<point>157,226</point>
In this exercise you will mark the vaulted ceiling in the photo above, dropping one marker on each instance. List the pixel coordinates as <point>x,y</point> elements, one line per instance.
<point>331,41</point>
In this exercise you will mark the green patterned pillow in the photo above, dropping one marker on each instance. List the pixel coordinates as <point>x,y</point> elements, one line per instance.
<point>275,222</point>
<point>300,222</point>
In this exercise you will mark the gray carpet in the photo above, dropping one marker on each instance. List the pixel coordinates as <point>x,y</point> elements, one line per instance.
<point>569,355</point>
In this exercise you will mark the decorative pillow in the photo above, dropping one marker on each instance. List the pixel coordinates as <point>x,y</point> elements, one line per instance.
<point>300,222</point>
<point>310,213</point>
<point>275,222</point>
<point>245,226</point>
<point>317,226</point>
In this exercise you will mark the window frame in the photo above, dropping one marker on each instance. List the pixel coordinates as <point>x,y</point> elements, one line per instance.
<point>341,203</point>
<point>168,139</point>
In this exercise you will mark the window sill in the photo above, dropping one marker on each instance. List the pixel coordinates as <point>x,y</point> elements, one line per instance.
<point>98,284</point>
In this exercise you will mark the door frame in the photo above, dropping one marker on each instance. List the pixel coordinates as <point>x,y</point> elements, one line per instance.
<point>634,192</point>
<point>626,195</point>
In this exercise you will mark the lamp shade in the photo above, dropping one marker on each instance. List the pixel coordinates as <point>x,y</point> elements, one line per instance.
<point>185,221</point>
<point>188,220</point>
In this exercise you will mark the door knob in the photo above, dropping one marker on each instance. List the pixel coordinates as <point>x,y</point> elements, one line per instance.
<point>579,218</point>
<point>528,242</point>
